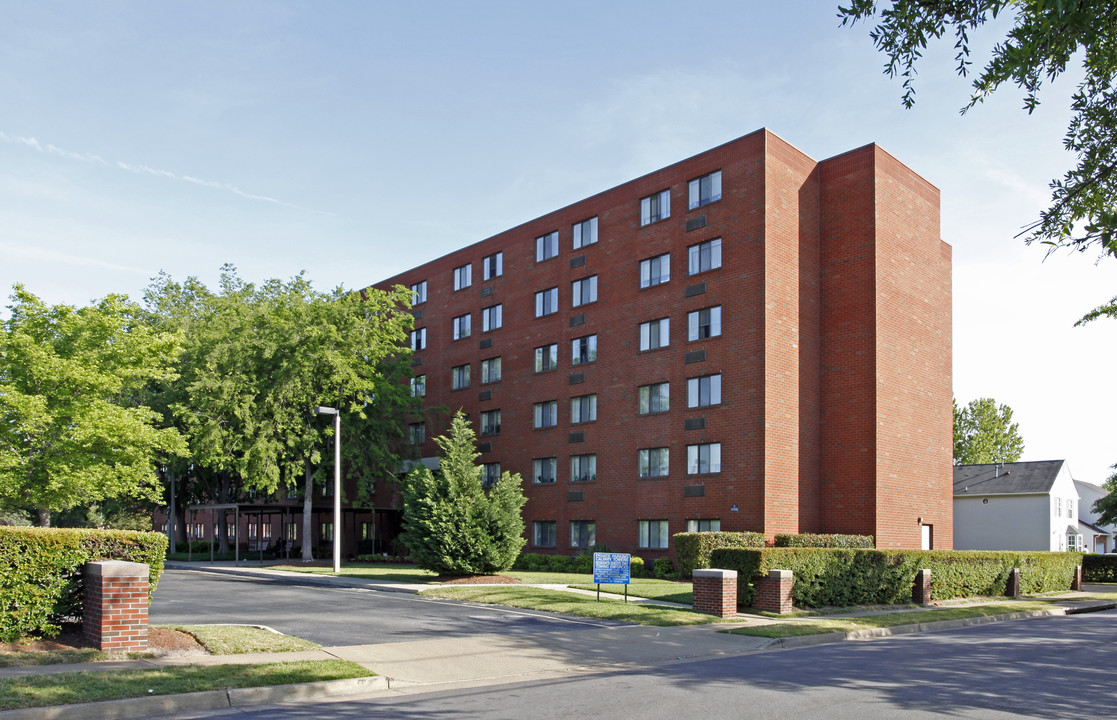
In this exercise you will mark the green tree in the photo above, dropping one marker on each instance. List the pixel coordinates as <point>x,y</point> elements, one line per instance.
<point>1106,507</point>
<point>451,524</point>
<point>1044,37</point>
<point>71,429</point>
<point>984,433</point>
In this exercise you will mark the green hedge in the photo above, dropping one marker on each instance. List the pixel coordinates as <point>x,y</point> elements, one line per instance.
<point>844,577</point>
<point>1099,568</point>
<point>41,572</point>
<point>831,540</point>
<point>692,550</point>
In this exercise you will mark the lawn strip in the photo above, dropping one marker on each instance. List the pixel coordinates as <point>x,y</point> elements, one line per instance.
<point>665,590</point>
<point>392,572</point>
<point>237,639</point>
<point>60,656</point>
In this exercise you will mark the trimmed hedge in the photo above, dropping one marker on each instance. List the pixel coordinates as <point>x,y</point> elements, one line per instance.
<point>538,562</point>
<point>41,572</point>
<point>844,577</point>
<point>1099,568</point>
<point>831,540</point>
<point>692,550</point>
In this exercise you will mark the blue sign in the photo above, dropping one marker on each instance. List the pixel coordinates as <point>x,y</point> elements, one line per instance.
<point>615,568</point>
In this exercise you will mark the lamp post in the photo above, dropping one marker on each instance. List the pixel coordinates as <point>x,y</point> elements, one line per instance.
<point>337,482</point>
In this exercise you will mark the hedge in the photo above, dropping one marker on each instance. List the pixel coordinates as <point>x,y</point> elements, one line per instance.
<point>692,550</point>
<point>1099,568</point>
<point>41,572</point>
<point>844,577</point>
<point>831,540</point>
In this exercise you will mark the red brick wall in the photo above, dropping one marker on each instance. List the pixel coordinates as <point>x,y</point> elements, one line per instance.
<point>114,605</point>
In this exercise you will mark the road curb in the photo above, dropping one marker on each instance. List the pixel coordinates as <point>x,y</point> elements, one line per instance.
<point>295,578</point>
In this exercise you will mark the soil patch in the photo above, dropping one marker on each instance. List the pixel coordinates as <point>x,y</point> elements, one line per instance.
<point>71,646</point>
<point>476,580</point>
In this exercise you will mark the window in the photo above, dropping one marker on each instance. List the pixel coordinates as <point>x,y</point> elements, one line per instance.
<point>703,525</point>
<point>584,291</point>
<point>417,433</point>
<point>491,317</point>
<point>490,474</point>
<point>583,468</point>
<point>1070,508</point>
<point>583,534</point>
<point>703,391</point>
<point>543,470</point>
<point>705,190</point>
<point>1058,507</point>
<point>419,293</point>
<point>653,534</point>
<point>490,370</point>
<point>583,350</point>
<point>653,462</point>
<point>704,256</point>
<point>546,414</point>
<point>655,271</point>
<point>463,277</point>
<point>546,246</point>
<point>585,233</point>
<point>655,334</point>
<point>419,339</point>
<point>705,458</point>
<point>459,377</point>
<point>461,327</point>
<point>705,323</point>
<point>655,398</point>
<point>655,207</point>
<point>490,422</point>
<point>546,358</point>
<point>326,532</point>
<point>492,266</point>
<point>419,386</point>
<point>583,409</point>
<point>543,533</point>
<point>546,302</point>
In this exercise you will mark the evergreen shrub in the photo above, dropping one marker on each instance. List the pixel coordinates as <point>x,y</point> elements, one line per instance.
<point>831,540</point>
<point>692,550</point>
<point>1099,568</point>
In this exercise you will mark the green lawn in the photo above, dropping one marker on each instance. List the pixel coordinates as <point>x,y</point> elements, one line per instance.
<point>665,590</point>
<point>238,639</point>
<point>385,571</point>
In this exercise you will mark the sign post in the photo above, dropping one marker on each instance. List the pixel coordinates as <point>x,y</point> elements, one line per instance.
<point>612,568</point>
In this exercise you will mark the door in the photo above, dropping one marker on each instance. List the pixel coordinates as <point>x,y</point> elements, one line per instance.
<point>928,536</point>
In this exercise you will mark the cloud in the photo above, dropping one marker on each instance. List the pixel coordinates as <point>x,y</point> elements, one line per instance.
<point>37,254</point>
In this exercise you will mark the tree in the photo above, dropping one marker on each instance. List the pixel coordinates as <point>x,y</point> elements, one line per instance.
<point>451,524</point>
<point>1106,507</point>
<point>984,433</point>
<point>71,430</point>
<point>1045,36</point>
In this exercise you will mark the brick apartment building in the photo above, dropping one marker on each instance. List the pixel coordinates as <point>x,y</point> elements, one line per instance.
<point>748,339</point>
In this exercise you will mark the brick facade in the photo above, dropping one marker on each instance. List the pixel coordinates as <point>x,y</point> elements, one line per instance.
<point>773,592</point>
<point>715,592</point>
<point>114,605</point>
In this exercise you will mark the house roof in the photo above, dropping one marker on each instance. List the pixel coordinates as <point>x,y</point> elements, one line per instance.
<point>1020,478</point>
<point>1091,485</point>
<point>1095,528</point>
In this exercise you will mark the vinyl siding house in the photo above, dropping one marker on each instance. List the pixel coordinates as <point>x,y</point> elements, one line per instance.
<point>1098,538</point>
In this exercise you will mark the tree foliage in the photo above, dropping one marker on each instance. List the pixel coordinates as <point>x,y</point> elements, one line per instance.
<point>1106,507</point>
<point>451,524</point>
<point>984,433</point>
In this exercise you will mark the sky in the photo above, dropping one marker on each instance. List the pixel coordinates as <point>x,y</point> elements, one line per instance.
<point>355,139</point>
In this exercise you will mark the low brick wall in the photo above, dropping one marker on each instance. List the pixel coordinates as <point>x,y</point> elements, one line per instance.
<point>921,588</point>
<point>115,605</point>
<point>715,592</point>
<point>773,593</point>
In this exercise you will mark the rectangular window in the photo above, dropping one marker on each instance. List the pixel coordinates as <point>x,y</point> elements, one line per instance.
<point>583,409</point>
<point>546,302</point>
<point>583,468</point>
<point>419,293</point>
<point>492,266</point>
<point>292,532</point>
<point>584,291</point>
<point>546,414</point>
<point>1058,507</point>
<point>653,462</point>
<point>653,534</point>
<point>704,256</point>
<point>419,386</point>
<point>703,525</point>
<point>492,318</point>
<point>703,391</point>
<point>655,334</point>
<point>705,323</point>
<point>585,233</point>
<point>543,470</point>
<point>546,358</point>
<point>418,339</point>
<point>705,190</point>
<point>655,207</point>
<point>543,533</point>
<point>655,271</point>
<point>463,277</point>
<point>326,532</point>
<point>459,377</point>
<point>490,370</point>
<point>583,350</point>
<point>417,433</point>
<point>583,534</point>
<point>546,246</point>
<point>462,327</point>
<point>490,474</point>
<point>1070,508</point>
<point>490,422</point>
<point>705,458</point>
<point>655,398</point>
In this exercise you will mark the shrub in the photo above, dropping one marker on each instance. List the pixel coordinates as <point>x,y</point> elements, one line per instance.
<point>664,568</point>
<point>1099,568</point>
<point>693,549</point>
<point>637,568</point>
<point>582,564</point>
<point>831,540</point>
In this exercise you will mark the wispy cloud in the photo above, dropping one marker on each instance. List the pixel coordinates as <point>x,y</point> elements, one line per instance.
<point>94,159</point>
<point>40,254</point>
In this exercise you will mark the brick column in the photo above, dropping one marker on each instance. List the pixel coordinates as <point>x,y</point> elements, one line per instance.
<point>715,592</point>
<point>921,589</point>
<point>773,593</point>
<point>1076,581</point>
<point>1012,586</point>
<point>115,605</point>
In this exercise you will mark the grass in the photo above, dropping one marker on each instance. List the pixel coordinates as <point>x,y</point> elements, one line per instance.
<point>387,571</point>
<point>571,604</point>
<point>53,656</point>
<point>69,688</point>
<point>665,590</point>
<point>238,639</point>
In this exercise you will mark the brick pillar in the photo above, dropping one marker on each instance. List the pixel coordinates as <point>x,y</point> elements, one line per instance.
<point>1076,581</point>
<point>715,592</point>
<point>921,588</point>
<point>1012,587</point>
<point>115,605</point>
<point>773,593</point>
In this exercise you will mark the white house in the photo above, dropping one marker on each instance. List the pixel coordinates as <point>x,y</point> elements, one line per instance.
<point>1099,538</point>
<point>1016,506</point>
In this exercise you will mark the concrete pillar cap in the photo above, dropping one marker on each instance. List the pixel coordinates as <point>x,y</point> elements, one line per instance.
<point>714,573</point>
<point>117,568</point>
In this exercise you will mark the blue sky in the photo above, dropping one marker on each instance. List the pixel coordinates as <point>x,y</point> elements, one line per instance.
<point>356,139</point>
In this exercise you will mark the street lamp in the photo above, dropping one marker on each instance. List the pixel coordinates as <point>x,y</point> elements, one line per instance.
<point>337,482</point>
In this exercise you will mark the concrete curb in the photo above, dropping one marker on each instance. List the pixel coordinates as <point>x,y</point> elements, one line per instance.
<point>308,578</point>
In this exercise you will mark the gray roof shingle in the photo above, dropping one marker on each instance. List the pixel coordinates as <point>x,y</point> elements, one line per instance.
<point>1020,478</point>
